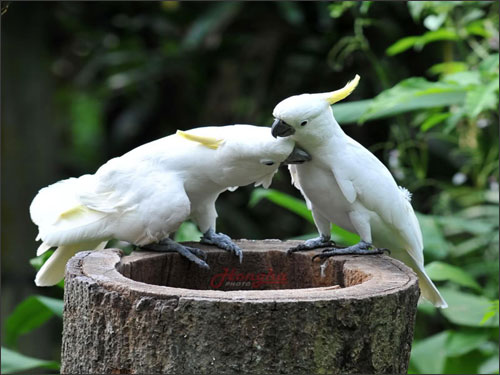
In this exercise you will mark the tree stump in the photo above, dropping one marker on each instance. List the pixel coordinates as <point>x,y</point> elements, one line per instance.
<point>152,313</point>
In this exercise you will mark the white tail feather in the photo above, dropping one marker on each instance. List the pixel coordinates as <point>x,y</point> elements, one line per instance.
<point>42,249</point>
<point>427,287</point>
<point>53,270</point>
<point>429,290</point>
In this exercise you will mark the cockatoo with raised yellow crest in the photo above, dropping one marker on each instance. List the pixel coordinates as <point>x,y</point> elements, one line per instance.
<point>144,195</point>
<point>347,185</point>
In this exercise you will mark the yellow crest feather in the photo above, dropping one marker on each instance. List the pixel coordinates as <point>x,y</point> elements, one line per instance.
<point>344,92</point>
<point>209,142</point>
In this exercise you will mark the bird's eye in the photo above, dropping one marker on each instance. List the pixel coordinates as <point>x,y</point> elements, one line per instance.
<point>303,123</point>
<point>267,162</point>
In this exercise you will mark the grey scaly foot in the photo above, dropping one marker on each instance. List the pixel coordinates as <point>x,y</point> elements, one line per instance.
<point>191,253</point>
<point>314,243</point>
<point>361,248</point>
<point>222,241</point>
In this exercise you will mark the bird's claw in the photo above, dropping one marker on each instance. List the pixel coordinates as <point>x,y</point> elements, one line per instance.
<point>191,253</point>
<point>222,241</point>
<point>358,249</point>
<point>385,251</point>
<point>314,243</point>
<point>198,252</point>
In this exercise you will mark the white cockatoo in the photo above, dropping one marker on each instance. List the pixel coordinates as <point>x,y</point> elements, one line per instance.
<point>144,195</point>
<point>347,185</point>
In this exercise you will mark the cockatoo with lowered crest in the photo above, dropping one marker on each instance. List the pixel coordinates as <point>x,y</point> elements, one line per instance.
<point>144,195</point>
<point>347,185</point>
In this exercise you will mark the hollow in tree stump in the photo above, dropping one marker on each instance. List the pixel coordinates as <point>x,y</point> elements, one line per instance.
<point>152,313</point>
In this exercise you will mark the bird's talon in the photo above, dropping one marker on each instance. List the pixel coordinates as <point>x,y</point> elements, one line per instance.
<point>222,241</point>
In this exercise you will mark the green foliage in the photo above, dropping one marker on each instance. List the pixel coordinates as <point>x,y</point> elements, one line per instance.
<point>87,129</point>
<point>430,354</point>
<point>299,207</point>
<point>413,94</point>
<point>293,204</point>
<point>29,315</point>
<point>418,42</point>
<point>188,231</point>
<point>14,362</point>
<point>440,271</point>
<point>466,309</point>
<point>492,312</point>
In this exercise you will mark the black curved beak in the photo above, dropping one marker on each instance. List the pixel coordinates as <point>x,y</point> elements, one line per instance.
<point>298,156</point>
<point>281,129</point>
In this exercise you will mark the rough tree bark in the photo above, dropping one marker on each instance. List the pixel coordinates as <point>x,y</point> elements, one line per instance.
<point>151,313</point>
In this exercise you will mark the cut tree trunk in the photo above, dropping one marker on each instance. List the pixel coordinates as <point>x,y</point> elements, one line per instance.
<point>157,313</point>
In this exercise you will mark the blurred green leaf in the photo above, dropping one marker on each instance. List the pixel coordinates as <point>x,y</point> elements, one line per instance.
<point>338,8</point>
<point>86,126</point>
<point>433,120</point>
<point>216,17</point>
<point>472,15</point>
<point>292,204</point>
<point>463,78</point>
<point>429,355</point>
<point>344,237</point>
<point>468,246</point>
<point>448,67</point>
<point>440,271</point>
<point>490,64</point>
<point>29,315</point>
<point>490,366</point>
<point>466,309</point>
<point>467,363</point>
<point>478,211</point>
<point>481,98</point>
<point>435,243</point>
<point>420,41</point>
<point>492,312</point>
<point>14,362</point>
<point>412,94</point>
<point>455,225</point>
<point>188,231</point>
<point>402,45</point>
<point>291,12</point>
<point>350,112</point>
<point>416,8</point>
<point>477,28</point>
<point>437,35</point>
<point>462,342</point>
<point>299,207</point>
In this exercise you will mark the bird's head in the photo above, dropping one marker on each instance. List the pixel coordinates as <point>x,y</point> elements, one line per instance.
<point>252,155</point>
<point>305,114</point>
<point>244,154</point>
